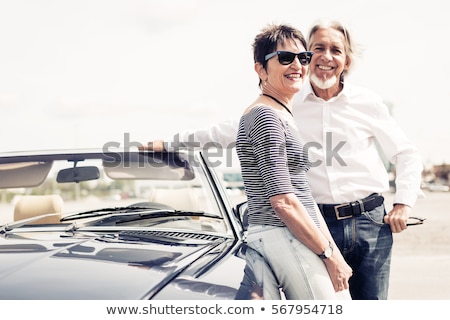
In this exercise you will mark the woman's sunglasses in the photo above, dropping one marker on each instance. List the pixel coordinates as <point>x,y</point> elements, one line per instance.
<point>287,57</point>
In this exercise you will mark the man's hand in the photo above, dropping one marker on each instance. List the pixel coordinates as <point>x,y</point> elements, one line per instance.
<point>398,217</point>
<point>156,145</point>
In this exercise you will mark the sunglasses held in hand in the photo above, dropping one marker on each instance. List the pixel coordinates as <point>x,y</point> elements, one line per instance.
<point>287,57</point>
<point>415,221</point>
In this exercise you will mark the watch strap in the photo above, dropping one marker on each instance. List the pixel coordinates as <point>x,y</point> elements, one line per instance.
<point>324,255</point>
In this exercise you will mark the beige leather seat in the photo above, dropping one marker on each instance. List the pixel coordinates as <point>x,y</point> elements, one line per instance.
<point>32,206</point>
<point>179,199</point>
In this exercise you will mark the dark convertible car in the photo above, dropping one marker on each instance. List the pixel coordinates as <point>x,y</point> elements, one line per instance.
<point>90,224</point>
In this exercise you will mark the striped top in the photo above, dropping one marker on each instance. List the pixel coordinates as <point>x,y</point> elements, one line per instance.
<point>273,162</point>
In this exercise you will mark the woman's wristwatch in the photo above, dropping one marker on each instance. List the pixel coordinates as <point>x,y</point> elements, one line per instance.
<point>327,252</point>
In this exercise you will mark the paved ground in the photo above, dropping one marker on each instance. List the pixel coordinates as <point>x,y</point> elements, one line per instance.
<point>421,258</point>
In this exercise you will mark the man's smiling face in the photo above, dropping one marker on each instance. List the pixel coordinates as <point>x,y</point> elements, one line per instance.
<point>329,59</point>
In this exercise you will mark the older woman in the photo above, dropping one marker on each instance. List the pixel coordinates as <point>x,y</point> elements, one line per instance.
<point>286,228</point>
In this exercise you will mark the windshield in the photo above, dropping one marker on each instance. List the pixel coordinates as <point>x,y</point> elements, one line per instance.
<point>164,182</point>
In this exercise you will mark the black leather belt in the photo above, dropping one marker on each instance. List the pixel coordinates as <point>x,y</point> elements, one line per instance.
<point>351,209</point>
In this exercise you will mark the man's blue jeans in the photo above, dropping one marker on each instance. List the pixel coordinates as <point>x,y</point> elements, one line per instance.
<point>366,243</point>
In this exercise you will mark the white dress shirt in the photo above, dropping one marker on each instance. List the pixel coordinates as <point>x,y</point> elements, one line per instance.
<point>341,136</point>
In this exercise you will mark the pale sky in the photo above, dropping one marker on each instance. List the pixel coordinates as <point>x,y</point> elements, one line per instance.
<point>81,73</point>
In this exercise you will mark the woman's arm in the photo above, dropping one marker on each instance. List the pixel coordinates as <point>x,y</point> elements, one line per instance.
<point>291,211</point>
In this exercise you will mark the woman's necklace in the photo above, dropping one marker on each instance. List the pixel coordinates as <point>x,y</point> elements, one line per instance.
<point>279,102</point>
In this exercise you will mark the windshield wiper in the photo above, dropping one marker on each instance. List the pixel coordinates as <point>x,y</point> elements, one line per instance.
<point>10,226</point>
<point>112,210</point>
<point>177,213</point>
<point>133,216</point>
<point>116,212</point>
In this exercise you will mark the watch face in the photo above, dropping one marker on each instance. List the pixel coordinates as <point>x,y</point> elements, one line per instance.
<point>327,253</point>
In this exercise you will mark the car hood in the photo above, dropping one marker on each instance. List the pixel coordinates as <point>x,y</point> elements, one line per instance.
<point>107,268</point>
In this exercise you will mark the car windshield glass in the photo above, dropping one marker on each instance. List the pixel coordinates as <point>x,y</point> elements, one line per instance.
<point>85,187</point>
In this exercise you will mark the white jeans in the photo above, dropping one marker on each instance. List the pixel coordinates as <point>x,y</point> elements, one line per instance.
<point>287,263</point>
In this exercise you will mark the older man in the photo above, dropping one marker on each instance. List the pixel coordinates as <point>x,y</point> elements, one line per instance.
<point>342,125</point>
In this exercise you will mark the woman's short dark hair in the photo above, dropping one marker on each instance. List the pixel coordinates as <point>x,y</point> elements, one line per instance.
<point>270,36</point>
<point>268,39</point>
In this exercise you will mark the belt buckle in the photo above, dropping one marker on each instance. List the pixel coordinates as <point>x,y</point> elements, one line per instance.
<point>336,210</point>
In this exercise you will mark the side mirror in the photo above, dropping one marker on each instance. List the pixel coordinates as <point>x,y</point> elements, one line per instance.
<point>78,174</point>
